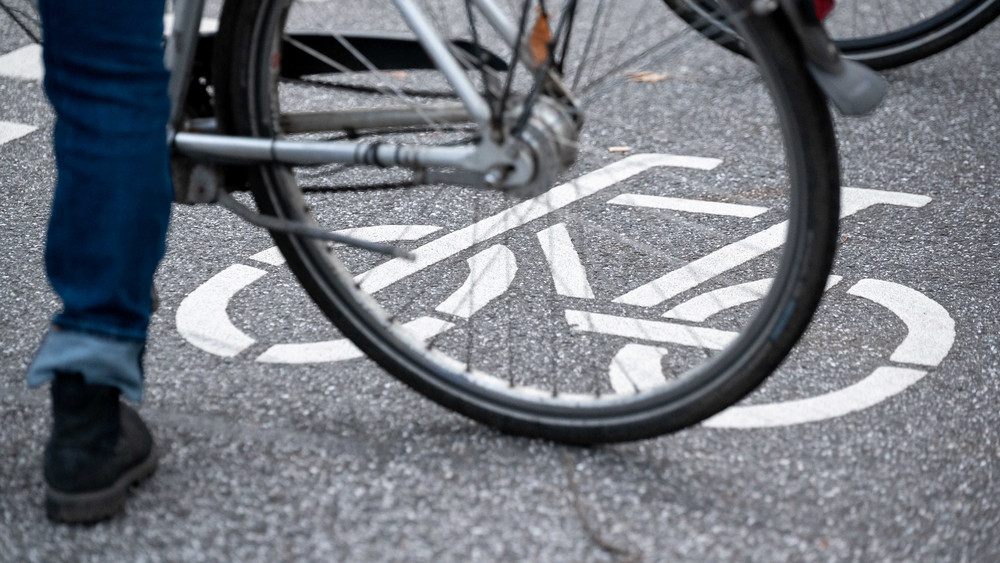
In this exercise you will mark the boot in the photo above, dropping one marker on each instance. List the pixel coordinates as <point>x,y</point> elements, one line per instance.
<point>99,447</point>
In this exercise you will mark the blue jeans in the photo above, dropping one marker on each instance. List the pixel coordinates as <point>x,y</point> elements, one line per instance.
<point>105,78</point>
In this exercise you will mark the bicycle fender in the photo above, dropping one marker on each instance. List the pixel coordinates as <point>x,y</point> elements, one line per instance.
<point>856,90</point>
<point>853,88</point>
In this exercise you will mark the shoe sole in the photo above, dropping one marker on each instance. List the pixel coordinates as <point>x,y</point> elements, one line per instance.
<point>93,506</point>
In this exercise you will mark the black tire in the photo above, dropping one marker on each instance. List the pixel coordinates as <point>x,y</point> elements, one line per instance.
<point>891,45</point>
<point>245,93</point>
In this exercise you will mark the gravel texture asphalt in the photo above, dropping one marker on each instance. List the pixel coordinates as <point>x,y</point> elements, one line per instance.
<point>341,462</point>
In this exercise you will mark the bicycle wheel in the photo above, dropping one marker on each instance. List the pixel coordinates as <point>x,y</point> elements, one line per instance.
<point>526,312</point>
<point>882,34</point>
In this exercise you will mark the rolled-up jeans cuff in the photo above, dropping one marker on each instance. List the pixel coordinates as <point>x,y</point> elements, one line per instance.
<point>100,360</point>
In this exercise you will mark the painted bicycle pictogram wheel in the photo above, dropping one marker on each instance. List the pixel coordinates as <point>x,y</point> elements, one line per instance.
<point>203,320</point>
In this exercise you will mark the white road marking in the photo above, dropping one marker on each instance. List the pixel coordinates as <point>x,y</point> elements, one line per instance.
<point>496,265</point>
<point>10,131</point>
<point>270,256</point>
<point>558,197</point>
<point>931,329</point>
<point>378,233</point>
<point>930,338</point>
<point>311,352</point>
<point>636,367</point>
<point>423,328</point>
<point>853,200</point>
<point>568,273</point>
<point>203,321</point>
<point>691,205</point>
<point>202,318</point>
<point>654,331</point>
<point>728,257</point>
<point>700,308</point>
<point>23,64</point>
<point>706,268</point>
<point>881,384</point>
<point>208,25</point>
<point>703,306</point>
<point>26,63</point>
<point>490,274</point>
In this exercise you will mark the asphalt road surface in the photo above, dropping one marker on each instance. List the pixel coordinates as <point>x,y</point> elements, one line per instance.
<point>880,443</point>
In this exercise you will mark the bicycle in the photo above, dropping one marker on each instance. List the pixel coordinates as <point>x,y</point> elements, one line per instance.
<point>290,108</point>
<point>882,34</point>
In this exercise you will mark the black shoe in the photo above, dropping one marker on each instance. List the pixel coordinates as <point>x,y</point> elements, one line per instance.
<point>99,448</point>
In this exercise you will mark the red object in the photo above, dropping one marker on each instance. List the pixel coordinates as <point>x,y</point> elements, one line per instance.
<point>823,8</point>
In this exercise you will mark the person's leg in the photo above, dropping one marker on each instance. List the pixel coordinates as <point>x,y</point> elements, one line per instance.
<point>106,82</point>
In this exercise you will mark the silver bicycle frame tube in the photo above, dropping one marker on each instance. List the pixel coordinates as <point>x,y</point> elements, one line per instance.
<point>438,51</point>
<point>182,43</point>
<point>249,150</point>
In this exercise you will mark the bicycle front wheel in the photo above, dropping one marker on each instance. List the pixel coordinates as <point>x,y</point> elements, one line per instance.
<point>666,274</point>
<point>882,34</point>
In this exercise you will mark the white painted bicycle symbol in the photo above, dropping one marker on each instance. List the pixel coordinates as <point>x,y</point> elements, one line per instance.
<point>202,317</point>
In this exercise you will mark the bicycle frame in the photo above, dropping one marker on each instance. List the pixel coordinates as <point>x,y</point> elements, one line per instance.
<point>853,89</point>
<point>480,158</point>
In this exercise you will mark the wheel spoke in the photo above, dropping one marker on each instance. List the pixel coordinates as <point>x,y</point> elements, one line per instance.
<point>519,275</point>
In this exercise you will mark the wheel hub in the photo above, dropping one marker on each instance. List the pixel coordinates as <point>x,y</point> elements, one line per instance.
<point>546,146</point>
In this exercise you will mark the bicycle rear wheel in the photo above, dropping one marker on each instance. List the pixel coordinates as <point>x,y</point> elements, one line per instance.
<point>882,34</point>
<point>667,275</point>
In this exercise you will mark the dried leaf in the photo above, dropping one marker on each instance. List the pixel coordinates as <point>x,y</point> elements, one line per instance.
<point>541,37</point>
<point>644,76</point>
